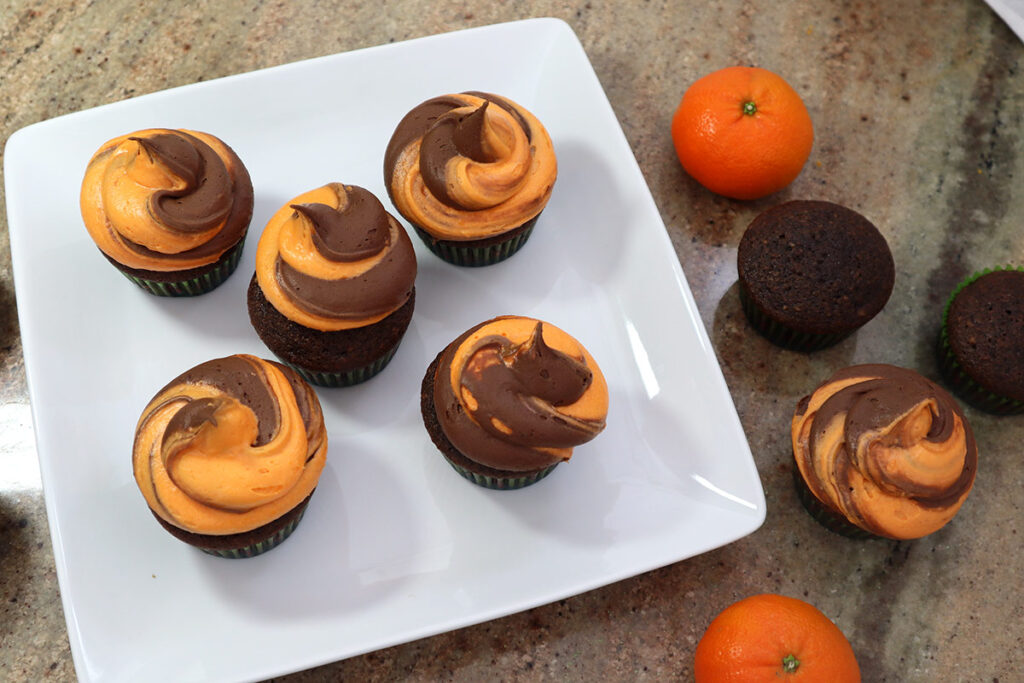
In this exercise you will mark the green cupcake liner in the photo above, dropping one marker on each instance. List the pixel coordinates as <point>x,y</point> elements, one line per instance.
<point>781,335</point>
<point>508,483</point>
<point>347,378</point>
<point>959,381</point>
<point>195,286</point>
<point>458,255</point>
<point>259,547</point>
<point>824,515</point>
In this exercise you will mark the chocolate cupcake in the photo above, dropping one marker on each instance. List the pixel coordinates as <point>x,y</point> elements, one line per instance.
<point>811,273</point>
<point>509,399</point>
<point>228,454</point>
<point>981,343</point>
<point>881,451</point>
<point>334,290</point>
<point>471,172</point>
<point>168,208</point>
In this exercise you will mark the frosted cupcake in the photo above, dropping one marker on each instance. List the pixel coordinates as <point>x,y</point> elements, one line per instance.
<point>228,454</point>
<point>334,290</point>
<point>509,399</point>
<point>471,172</point>
<point>168,208</point>
<point>882,451</point>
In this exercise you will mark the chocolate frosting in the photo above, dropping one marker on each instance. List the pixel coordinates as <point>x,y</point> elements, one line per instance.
<point>217,198</point>
<point>871,410</point>
<point>516,390</point>
<point>360,230</point>
<point>452,134</point>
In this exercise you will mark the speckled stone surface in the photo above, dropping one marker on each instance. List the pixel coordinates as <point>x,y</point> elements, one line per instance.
<point>917,107</point>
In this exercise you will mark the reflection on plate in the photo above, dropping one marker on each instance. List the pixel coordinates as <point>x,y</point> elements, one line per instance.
<point>395,545</point>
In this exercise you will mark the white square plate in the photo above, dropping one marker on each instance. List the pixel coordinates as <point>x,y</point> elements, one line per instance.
<point>395,545</point>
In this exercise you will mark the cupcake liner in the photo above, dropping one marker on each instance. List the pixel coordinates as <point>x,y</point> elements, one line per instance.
<point>194,286</point>
<point>824,515</point>
<point>260,547</point>
<point>347,378</point>
<point>474,256</point>
<point>780,334</point>
<point>502,483</point>
<point>959,381</point>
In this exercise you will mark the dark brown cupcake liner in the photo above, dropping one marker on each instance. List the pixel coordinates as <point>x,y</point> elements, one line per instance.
<point>959,381</point>
<point>511,481</point>
<point>824,515</point>
<point>478,253</point>
<point>782,335</point>
<point>245,544</point>
<point>193,286</point>
<point>344,379</point>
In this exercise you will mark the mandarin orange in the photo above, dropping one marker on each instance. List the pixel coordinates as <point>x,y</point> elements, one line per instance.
<point>775,638</point>
<point>742,132</point>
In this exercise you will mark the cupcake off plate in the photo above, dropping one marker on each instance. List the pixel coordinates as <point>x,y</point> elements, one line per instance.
<point>394,545</point>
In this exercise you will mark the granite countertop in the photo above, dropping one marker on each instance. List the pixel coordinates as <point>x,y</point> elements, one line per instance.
<point>917,108</point>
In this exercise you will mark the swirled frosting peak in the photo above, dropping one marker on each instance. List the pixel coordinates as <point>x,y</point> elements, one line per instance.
<point>518,394</point>
<point>469,166</point>
<point>229,446</point>
<point>886,448</point>
<point>166,200</point>
<point>334,258</point>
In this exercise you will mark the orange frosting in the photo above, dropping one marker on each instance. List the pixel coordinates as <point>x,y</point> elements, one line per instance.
<point>901,471</point>
<point>126,179</point>
<point>492,196</point>
<point>201,458</point>
<point>289,238</point>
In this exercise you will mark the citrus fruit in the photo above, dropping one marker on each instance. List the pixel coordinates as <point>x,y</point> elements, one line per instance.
<point>742,132</point>
<point>774,638</point>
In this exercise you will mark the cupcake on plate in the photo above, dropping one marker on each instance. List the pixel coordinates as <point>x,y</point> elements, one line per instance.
<point>228,454</point>
<point>334,289</point>
<point>981,343</point>
<point>471,172</point>
<point>811,273</point>
<point>168,208</point>
<point>510,398</point>
<point>882,452</point>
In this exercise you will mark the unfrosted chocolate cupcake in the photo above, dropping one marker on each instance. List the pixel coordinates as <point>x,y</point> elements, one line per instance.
<point>509,399</point>
<point>471,172</point>
<point>333,291</point>
<point>228,453</point>
<point>168,208</point>
<point>981,344</point>
<point>812,272</point>
<point>881,451</point>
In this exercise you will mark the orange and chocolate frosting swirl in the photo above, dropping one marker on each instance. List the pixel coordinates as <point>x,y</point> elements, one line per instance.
<point>229,446</point>
<point>166,200</point>
<point>517,394</point>
<point>333,259</point>
<point>887,449</point>
<point>469,166</point>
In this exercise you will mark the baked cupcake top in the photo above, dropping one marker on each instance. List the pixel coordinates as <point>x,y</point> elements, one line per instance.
<point>469,166</point>
<point>517,394</point>
<point>816,266</point>
<point>985,328</point>
<point>166,200</point>
<point>333,259</point>
<point>886,448</point>
<point>229,446</point>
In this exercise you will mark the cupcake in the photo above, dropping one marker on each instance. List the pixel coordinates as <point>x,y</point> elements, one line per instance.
<point>168,208</point>
<point>981,343</point>
<point>509,399</point>
<point>228,454</point>
<point>333,291</point>
<point>471,172</point>
<point>811,273</point>
<point>882,452</point>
